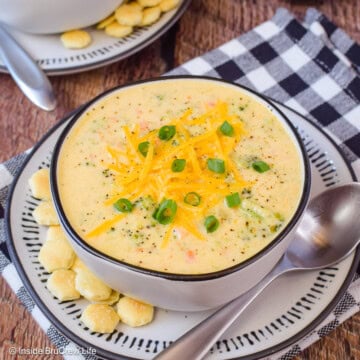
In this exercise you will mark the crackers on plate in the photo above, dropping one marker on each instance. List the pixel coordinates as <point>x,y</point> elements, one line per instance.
<point>91,287</point>
<point>45,214</point>
<point>122,21</point>
<point>101,318</point>
<point>39,184</point>
<point>133,312</point>
<point>61,284</point>
<point>76,39</point>
<point>56,252</point>
<point>70,278</point>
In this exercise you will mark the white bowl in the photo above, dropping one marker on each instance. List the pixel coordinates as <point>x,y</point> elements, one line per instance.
<point>185,292</point>
<point>54,16</point>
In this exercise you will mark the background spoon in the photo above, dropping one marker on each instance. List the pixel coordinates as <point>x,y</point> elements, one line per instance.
<point>25,72</point>
<point>328,232</point>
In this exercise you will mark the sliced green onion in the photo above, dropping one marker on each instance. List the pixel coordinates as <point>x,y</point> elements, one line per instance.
<point>233,200</point>
<point>178,165</point>
<point>123,205</point>
<point>260,166</point>
<point>216,165</point>
<point>211,223</point>
<point>144,148</point>
<point>192,198</point>
<point>166,212</point>
<point>275,228</point>
<point>279,216</point>
<point>167,132</point>
<point>227,129</point>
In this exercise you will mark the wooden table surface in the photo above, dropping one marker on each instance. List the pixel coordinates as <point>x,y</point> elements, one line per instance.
<point>205,25</point>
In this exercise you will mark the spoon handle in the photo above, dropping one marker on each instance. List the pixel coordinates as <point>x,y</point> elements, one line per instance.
<point>25,72</point>
<point>196,342</point>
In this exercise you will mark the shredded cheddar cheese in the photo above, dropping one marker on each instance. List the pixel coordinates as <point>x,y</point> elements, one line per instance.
<point>106,225</point>
<point>167,235</point>
<point>197,139</point>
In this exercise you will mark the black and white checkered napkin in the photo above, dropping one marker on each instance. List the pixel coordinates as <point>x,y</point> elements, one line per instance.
<point>312,67</point>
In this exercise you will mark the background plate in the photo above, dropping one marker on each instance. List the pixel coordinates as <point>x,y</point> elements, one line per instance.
<point>55,59</point>
<point>285,312</point>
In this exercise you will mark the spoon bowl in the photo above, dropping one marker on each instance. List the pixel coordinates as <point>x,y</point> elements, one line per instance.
<point>328,232</point>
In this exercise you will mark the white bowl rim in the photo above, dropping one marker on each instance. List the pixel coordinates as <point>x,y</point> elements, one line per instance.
<point>168,275</point>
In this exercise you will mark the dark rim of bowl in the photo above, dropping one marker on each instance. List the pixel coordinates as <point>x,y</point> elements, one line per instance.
<point>167,275</point>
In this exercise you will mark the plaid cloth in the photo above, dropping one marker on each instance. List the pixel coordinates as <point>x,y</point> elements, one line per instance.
<point>312,67</point>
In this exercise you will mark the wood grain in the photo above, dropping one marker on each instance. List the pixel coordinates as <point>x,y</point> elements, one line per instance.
<point>206,24</point>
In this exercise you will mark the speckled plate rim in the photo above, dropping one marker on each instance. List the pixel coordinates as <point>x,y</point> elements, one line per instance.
<point>122,54</point>
<point>110,355</point>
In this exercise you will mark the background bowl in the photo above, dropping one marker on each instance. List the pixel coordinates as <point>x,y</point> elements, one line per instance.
<point>174,291</point>
<point>53,16</point>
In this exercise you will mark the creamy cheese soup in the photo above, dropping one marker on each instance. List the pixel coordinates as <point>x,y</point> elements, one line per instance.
<point>183,176</point>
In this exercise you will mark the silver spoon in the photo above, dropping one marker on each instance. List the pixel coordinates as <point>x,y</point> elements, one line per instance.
<point>25,72</point>
<point>328,232</point>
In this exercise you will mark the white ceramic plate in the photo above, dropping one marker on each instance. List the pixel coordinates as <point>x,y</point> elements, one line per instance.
<point>55,59</point>
<point>288,310</point>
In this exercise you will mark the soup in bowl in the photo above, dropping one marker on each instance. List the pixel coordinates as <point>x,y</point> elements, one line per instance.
<point>181,191</point>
